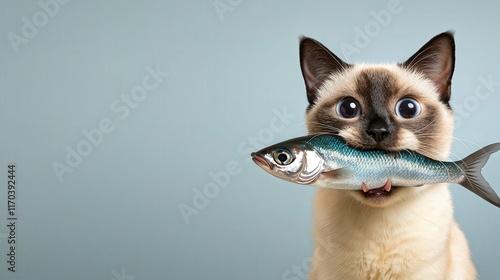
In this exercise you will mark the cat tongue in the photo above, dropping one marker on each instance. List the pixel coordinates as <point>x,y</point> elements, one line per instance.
<point>377,191</point>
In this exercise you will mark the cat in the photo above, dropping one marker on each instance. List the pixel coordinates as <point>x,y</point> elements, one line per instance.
<point>406,233</point>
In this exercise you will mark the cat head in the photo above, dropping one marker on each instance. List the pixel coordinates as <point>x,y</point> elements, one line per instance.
<point>383,106</point>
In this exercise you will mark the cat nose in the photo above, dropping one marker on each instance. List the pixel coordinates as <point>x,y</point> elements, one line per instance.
<point>378,130</point>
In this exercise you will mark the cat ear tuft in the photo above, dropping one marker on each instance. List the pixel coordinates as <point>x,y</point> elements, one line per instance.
<point>317,64</point>
<point>436,60</point>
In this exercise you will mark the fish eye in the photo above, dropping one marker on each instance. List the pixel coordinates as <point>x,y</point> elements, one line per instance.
<point>348,108</point>
<point>407,108</point>
<point>283,156</point>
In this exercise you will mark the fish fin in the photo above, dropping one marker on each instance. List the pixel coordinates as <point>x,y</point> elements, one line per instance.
<point>473,179</point>
<point>337,174</point>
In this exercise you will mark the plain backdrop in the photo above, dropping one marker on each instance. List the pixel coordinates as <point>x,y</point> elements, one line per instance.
<point>131,122</point>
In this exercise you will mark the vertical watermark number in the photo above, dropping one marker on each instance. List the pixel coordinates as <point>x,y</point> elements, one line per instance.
<point>11,217</point>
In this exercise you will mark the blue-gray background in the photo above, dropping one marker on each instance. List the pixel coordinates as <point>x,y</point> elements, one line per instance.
<point>233,85</point>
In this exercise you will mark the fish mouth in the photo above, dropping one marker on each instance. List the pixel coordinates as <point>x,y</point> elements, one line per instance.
<point>380,192</point>
<point>260,161</point>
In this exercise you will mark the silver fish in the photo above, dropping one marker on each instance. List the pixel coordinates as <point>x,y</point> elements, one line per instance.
<point>325,160</point>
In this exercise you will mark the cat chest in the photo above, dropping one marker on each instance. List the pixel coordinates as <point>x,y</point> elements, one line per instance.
<point>383,256</point>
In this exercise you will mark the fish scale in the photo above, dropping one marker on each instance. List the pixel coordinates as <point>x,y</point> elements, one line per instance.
<point>404,168</point>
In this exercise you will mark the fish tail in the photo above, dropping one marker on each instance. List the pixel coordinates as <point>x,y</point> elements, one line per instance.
<point>473,179</point>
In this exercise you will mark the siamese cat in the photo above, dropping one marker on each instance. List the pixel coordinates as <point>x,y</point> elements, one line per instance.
<point>406,233</point>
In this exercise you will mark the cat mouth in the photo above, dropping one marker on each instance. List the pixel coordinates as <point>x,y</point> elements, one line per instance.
<point>381,192</point>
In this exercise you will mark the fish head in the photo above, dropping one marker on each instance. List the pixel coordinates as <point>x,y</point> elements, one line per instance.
<point>290,161</point>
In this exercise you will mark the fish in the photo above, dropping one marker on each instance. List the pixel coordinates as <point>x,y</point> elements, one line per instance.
<point>325,160</point>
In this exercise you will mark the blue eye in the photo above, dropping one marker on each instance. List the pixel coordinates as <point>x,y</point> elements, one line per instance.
<point>348,108</point>
<point>407,108</point>
<point>283,156</point>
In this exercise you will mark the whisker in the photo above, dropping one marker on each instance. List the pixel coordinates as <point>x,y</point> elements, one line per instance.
<point>433,120</point>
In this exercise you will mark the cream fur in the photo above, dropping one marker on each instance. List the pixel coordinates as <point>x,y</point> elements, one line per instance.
<point>414,239</point>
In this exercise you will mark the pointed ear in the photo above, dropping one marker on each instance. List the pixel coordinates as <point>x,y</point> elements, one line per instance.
<point>436,60</point>
<point>317,64</point>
